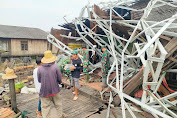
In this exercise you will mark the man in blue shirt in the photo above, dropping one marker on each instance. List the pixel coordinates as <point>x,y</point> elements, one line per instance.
<point>75,73</point>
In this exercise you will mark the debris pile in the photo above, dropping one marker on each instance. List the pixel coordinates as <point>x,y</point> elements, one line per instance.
<point>142,50</point>
<point>24,71</point>
<point>4,97</point>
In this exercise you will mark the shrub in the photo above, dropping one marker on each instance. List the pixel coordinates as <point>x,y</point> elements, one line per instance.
<point>19,85</point>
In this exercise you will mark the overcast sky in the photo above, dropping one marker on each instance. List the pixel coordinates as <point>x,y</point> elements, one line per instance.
<point>43,14</point>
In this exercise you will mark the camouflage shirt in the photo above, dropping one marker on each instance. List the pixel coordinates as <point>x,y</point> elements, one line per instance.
<point>105,61</point>
<point>85,60</point>
<point>66,61</point>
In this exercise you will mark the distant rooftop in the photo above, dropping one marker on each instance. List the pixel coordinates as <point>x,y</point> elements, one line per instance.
<point>7,31</point>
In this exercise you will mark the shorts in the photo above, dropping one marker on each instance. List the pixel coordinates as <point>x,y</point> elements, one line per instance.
<point>75,82</point>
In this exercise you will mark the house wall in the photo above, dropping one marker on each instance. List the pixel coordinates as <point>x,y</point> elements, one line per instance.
<point>54,49</point>
<point>35,47</point>
<point>5,45</point>
<point>51,47</point>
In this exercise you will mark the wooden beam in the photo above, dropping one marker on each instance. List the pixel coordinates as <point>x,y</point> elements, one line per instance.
<point>165,37</point>
<point>173,59</point>
<point>12,95</point>
<point>135,82</point>
<point>165,91</point>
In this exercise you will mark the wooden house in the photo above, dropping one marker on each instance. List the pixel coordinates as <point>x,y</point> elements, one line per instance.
<point>23,41</point>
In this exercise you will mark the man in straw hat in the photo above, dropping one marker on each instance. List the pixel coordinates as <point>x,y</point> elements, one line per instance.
<point>49,76</point>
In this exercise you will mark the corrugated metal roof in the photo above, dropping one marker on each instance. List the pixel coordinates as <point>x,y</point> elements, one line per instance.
<point>162,13</point>
<point>22,32</point>
<point>136,15</point>
<point>157,14</point>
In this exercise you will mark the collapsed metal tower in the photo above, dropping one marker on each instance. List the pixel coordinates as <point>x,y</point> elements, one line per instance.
<point>140,43</point>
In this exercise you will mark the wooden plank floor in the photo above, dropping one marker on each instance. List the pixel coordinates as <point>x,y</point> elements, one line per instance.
<point>81,108</point>
<point>84,107</point>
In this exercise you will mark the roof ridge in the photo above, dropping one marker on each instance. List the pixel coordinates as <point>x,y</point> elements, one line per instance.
<point>20,26</point>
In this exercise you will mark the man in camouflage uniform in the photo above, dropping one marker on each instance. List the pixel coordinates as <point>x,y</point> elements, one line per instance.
<point>105,66</point>
<point>85,55</point>
<point>67,73</point>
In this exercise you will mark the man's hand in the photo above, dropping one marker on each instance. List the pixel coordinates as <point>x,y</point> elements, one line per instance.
<point>72,68</point>
<point>85,66</point>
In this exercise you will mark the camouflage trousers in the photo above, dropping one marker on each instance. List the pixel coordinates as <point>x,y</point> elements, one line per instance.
<point>104,78</point>
<point>86,76</point>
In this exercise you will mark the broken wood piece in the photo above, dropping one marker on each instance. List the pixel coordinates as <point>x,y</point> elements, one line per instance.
<point>6,113</point>
<point>136,81</point>
<point>17,115</point>
<point>114,114</point>
<point>165,92</point>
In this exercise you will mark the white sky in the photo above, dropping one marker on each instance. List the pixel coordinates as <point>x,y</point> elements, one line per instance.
<point>43,14</point>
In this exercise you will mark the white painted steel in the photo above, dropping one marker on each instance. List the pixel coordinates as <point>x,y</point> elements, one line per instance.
<point>126,62</point>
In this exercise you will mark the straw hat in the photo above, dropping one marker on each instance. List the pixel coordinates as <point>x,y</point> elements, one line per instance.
<point>9,74</point>
<point>48,57</point>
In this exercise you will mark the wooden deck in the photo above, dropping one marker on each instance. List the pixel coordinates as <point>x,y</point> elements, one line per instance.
<point>81,108</point>
<point>84,107</point>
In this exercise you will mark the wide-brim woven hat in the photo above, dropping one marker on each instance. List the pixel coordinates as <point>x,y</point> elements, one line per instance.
<point>48,57</point>
<point>9,74</point>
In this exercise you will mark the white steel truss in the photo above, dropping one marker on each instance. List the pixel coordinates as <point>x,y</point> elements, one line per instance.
<point>126,62</point>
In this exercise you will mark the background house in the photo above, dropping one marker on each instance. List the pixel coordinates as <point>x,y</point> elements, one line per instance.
<point>23,41</point>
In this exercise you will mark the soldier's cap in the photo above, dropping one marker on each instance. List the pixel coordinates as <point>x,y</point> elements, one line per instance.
<point>74,52</point>
<point>83,47</point>
<point>103,46</point>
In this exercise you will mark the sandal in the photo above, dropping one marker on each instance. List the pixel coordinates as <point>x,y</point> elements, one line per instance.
<point>75,98</point>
